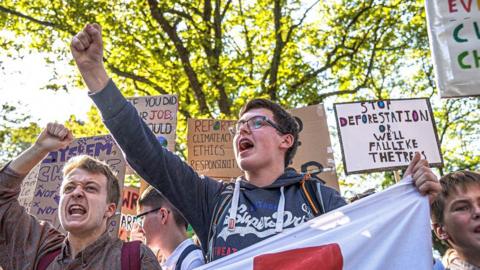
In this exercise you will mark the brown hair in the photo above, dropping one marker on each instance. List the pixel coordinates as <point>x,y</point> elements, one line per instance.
<point>285,121</point>
<point>155,199</point>
<point>451,183</point>
<point>93,165</point>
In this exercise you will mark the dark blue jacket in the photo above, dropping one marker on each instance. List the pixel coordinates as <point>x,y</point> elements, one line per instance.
<point>196,196</point>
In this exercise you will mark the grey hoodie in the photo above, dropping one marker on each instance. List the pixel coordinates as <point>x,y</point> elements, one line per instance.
<point>256,211</point>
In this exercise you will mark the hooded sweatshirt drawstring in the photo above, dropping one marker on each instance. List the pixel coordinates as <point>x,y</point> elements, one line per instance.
<point>234,207</point>
<point>280,210</point>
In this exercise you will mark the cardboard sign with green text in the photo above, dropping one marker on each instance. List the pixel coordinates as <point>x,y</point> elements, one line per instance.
<point>453,30</point>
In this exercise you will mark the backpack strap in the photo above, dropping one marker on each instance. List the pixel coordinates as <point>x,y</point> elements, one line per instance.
<point>131,255</point>
<point>312,190</point>
<point>184,254</point>
<point>47,259</point>
<point>220,208</point>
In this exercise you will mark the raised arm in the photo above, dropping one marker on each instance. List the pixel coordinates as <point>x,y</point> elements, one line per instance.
<point>23,239</point>
<point>53,137</point>
<point>87,50</point>
<point>194,196</point>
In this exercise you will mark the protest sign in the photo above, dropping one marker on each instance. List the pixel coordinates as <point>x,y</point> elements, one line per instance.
<point>45,198</point>
<point>315,153</point>
<point>27,189</point>
<point>454,34</point>
<point>160,114</point>
<point>384,135</point>
<point>210,147</point>
<point>129,211</point>
<point>129,201</point>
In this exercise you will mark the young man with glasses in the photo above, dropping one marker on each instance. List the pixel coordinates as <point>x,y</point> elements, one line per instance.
<point>226,217</point>
<point>165,231</point>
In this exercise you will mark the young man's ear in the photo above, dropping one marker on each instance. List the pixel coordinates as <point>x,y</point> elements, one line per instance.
<point>440,231</point>
<point>111,208</point>
<point>287,141</point>
<point>163,215</point>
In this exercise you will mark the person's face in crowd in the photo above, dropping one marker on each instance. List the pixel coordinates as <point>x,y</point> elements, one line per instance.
<point>83,206</point>
<point>461,224</point>
<point>257,145</point>
<point>152,223</point>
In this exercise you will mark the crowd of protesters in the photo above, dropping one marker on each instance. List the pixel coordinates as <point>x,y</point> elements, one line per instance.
<point>265,141</point>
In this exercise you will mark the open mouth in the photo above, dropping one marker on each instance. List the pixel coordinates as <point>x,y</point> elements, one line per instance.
<point>76,210</point>
<point>244,144</point>
<point>477,229</point>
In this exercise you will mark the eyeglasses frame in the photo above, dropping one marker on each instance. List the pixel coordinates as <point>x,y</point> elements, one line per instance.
<point>233,129</point>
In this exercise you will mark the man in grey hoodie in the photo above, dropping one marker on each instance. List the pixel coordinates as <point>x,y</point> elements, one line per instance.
<point>267,200</point>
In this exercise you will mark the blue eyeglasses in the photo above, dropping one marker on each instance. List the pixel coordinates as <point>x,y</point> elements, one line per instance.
<point>254,122</point>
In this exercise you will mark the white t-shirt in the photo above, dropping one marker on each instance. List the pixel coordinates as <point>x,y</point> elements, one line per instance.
<point>193,260</point>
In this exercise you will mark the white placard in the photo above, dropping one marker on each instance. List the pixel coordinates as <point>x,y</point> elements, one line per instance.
<point>454,32</point>
<point>384,135</point>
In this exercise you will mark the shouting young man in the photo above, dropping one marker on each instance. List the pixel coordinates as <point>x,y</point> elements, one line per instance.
<point>226,217</point>
<point>88,199</point>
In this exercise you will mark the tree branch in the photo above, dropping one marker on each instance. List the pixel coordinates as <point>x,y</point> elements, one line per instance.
<point>248,41</point>
<point>184,56</point>
<point>293,27</point>
<point>137,78</point>
<point>329,62</point>
<point>37,21</point>
<point>277,53</point>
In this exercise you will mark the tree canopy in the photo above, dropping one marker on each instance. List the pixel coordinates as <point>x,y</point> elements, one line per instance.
<point>216,55</point>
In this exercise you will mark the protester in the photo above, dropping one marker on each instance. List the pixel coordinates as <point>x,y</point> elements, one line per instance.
<point>456,218</point>
<point>165,229</point>
<point>227,217</point>
<point>88,199</point>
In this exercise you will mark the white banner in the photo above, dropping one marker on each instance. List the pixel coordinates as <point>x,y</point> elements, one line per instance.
<point>388,230</point>
<point>454,32</point>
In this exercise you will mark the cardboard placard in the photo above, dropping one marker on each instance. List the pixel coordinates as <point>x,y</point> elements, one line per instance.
<point>126,227</point>
<point>129,200</point>
<point>27,190</point>
<point>160,114</point>
<point>453,28</point>
<point>129,211</point>
<point>45,198</point>
<point>210,147</point>
<point>315,153</point>
<point>384,135</point>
